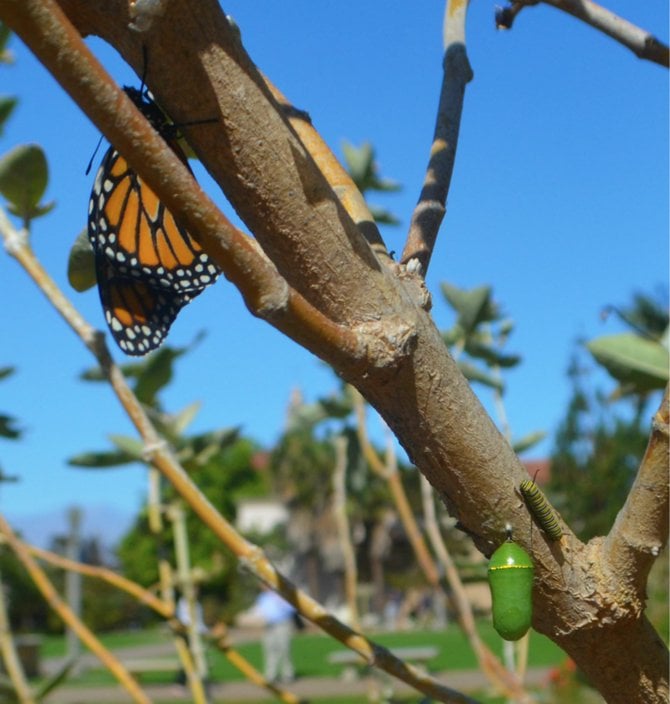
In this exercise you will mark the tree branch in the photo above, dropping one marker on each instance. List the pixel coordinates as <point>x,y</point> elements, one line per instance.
<point>87,637</point>
<point>431,208</point>
<point>406,372</point>
<point>57,44</point>
<point>336,175</point>
<point>159,455</point>
<point>640,532</point>
<point>276,187</point>
<point>642,43</point>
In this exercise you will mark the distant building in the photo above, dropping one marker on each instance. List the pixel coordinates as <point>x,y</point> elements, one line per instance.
<point>541,468</point>
<point>260,515</point>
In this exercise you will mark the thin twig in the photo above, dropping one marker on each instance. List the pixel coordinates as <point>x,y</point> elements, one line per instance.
<point>388,471</point>
<point>52,597</point>
<point>341,445</point>
<point>9,656</point>
<point>219,636</point>
<point>160,457</point>
<point>643,44</point>
<point>431,208</point>
<point>144,596</point>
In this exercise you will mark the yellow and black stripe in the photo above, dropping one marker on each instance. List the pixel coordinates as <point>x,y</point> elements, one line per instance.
<point>544,514</point>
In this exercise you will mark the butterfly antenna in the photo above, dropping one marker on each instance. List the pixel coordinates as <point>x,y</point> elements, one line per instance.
<point>90,163</point>
<point>145,67</point>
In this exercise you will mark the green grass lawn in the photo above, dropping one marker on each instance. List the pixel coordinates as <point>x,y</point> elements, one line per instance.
<point>310,652</point>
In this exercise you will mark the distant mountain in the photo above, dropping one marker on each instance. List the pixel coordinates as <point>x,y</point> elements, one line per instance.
<point>106,523</point>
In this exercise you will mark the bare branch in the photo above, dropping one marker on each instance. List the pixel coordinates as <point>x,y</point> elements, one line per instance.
<point>52,597</point>
<point>219,635</point>
<point>10,658</point>
<point>143,596</point>
<point>339,480</point>
<point>641,529</point>
<point>159,455</point>
<point>336,175</point>
<point>430,209</point>
<point>642,43</point>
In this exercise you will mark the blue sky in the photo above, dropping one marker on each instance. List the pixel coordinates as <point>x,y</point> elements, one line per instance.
<point>559,200</point>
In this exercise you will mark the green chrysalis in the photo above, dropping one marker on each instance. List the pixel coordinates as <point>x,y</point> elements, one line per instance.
<point>511,580</point>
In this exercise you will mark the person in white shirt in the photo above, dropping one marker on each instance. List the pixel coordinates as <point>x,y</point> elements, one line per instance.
<point>278,619</point>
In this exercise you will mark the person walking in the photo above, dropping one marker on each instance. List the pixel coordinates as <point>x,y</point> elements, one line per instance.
<point>278,621</point>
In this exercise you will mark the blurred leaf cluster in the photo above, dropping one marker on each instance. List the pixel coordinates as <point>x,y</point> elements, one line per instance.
<point>598,445</point>
<point>362,167</point>
<point>638,360</point>
<point>477,341</point>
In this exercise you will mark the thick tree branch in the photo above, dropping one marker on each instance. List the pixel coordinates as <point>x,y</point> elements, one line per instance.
<point>430,209</point>
<point>336,175</point>
<point>275,187</point>
<point>57,44</point>
<point>409,377</point>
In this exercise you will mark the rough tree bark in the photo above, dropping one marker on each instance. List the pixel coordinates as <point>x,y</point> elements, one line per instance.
<point>376,332</point>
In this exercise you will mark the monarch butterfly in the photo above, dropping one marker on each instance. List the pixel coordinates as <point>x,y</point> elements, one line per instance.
<point>147,265</point>
<point>539,506</point>
<point>510,574</point>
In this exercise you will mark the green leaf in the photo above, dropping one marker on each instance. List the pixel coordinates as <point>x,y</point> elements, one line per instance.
<point>453,335</point>
<point>473,307</point>
<point>6,56</point>
<point>473,373</point>
<point>23,180</point>
<point>527,441</point>
<point>632,360</point>
<point>7,105</point>
<point>55,680</point>
<point>81,264</point>
<point>6,371</point>
<point>220,439</point>
<point>131,447</point>
<point>336,407</point>
<point>131,370</point>
<point>491,355</point>
<point>100,460</point>
<point>8,428</point>
<point>506,327</point>
<point>198,450</point>
<point>382,216</point>
<point>185,417</point>
<point>360,163</point>
<point>157,373</point>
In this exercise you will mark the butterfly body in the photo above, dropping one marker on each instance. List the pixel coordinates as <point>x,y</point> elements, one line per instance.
<point>148,266</point>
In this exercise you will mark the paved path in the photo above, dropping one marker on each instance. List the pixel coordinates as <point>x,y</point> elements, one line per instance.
<point>307,688</point>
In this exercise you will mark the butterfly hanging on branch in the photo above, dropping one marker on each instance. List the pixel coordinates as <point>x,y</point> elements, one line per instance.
<point>147,266</point>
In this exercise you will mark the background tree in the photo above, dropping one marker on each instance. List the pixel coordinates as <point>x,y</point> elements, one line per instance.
<point>599,442</point>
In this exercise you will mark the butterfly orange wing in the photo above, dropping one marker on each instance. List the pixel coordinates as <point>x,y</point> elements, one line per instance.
<point>148,267</point>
